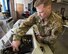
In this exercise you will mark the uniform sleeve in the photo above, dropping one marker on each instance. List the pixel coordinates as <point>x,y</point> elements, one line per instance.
<point>23,28</point>
<point>55,33</point>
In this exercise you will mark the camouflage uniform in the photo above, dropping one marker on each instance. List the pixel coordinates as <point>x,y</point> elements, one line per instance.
<point>49,29</point>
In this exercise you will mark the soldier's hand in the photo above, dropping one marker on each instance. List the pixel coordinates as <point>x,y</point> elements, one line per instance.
<point>15,45</point>
<point>40,38</point>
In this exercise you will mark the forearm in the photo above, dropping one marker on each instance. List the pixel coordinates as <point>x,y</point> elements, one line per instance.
<point>23,28</point>
<point>49,39</point>
<point>18,33</point>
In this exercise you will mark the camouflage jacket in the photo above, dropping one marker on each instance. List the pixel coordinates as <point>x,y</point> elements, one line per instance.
<point>50,30</point>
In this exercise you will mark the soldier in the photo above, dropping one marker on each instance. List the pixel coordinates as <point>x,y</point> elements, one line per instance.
<point>48,24</point>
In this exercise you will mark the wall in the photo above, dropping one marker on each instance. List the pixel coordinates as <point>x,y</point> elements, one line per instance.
<point>58,6</point>
<point>0,1</point>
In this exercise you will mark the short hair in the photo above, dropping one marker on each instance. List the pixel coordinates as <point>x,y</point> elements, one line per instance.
<point>45,2</point>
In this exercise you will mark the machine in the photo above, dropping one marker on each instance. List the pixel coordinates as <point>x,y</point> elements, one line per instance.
<point>29,45</point>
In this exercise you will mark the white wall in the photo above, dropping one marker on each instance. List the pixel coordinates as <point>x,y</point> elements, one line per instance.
<point>0,1</point>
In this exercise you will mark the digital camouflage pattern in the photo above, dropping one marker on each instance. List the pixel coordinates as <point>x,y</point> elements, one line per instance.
<point>50,29</point>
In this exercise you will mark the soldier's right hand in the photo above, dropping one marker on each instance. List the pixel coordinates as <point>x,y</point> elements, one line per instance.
<point>15,45</point>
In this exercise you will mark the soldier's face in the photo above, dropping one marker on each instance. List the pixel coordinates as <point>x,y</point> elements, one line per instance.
<point>43,11</point>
